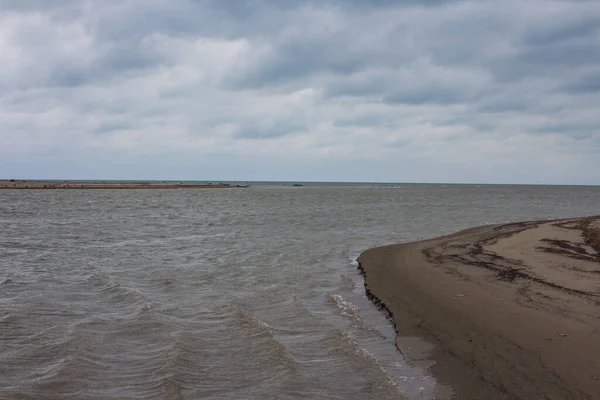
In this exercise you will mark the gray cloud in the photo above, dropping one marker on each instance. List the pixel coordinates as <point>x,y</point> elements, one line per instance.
<point>301,82</point>
<point>268,129</point>
<point>581,27</point>
<point>583,83</point>
<point>436,95</point>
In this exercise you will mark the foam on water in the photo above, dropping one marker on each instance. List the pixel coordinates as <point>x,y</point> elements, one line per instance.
<point>346,308</point>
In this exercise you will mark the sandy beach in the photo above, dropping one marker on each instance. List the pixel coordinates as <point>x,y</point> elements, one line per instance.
<point>32,184</point>
<point>498,312</point>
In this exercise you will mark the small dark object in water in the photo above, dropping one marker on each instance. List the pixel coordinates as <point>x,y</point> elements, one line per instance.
<point>297,185</point>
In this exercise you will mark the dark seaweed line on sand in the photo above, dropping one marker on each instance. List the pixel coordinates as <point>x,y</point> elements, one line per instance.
<point>474,255</point>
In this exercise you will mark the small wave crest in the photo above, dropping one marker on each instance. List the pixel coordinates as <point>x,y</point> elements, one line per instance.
<point>260,329</point>
<point>348,344</point>
<point>352,311</point>
<point>345,307</point>
<point>347,283</point>
<point>105,285</point>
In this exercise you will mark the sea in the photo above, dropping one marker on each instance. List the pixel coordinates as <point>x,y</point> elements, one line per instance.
<point>241,293</point>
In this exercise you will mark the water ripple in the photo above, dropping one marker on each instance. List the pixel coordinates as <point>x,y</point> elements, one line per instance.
<point>221,294</point>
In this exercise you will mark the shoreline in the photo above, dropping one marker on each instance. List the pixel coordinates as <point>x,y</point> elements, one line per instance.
<point>507,311</point>
<point>56,185</point>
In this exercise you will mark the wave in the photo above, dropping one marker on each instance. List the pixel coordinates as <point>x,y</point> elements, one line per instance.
<point>345,307</point>
<point>256,328</point>
<point>347,283</point>
<point>102,282</point>
<point>346,343</point>
<point>154,241</point>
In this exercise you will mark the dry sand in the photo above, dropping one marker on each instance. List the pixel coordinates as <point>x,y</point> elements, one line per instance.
<point>502,312</point>
<point>30,184</point>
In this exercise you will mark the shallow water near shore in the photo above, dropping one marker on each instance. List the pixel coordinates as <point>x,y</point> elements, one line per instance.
<point>249,293</point>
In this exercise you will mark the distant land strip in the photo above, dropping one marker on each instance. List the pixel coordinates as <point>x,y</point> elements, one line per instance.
<point>34,184</point>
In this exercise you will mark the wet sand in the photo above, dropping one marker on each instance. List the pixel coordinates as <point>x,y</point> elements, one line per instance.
<point>31,184</point>
<point>498,312</point>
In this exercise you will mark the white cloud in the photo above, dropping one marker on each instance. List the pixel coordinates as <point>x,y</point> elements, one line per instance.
<point>457,91</point>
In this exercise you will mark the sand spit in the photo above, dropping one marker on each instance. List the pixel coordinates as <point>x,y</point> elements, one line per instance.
<point>512,311</point>
<point>27,184</point>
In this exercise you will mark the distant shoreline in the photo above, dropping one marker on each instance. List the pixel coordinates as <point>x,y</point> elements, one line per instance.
<point>49,185</point>
<point>507,311</point>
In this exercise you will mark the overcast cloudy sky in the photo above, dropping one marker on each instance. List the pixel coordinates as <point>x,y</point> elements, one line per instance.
<point>340,90</point>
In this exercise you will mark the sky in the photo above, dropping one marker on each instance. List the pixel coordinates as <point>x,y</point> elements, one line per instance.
<point>301,90</point>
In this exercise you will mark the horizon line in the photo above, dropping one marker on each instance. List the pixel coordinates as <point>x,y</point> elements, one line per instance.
<point>301,181</point>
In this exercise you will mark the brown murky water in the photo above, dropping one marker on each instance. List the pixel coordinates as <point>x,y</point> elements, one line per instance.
<point>220,294</point>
